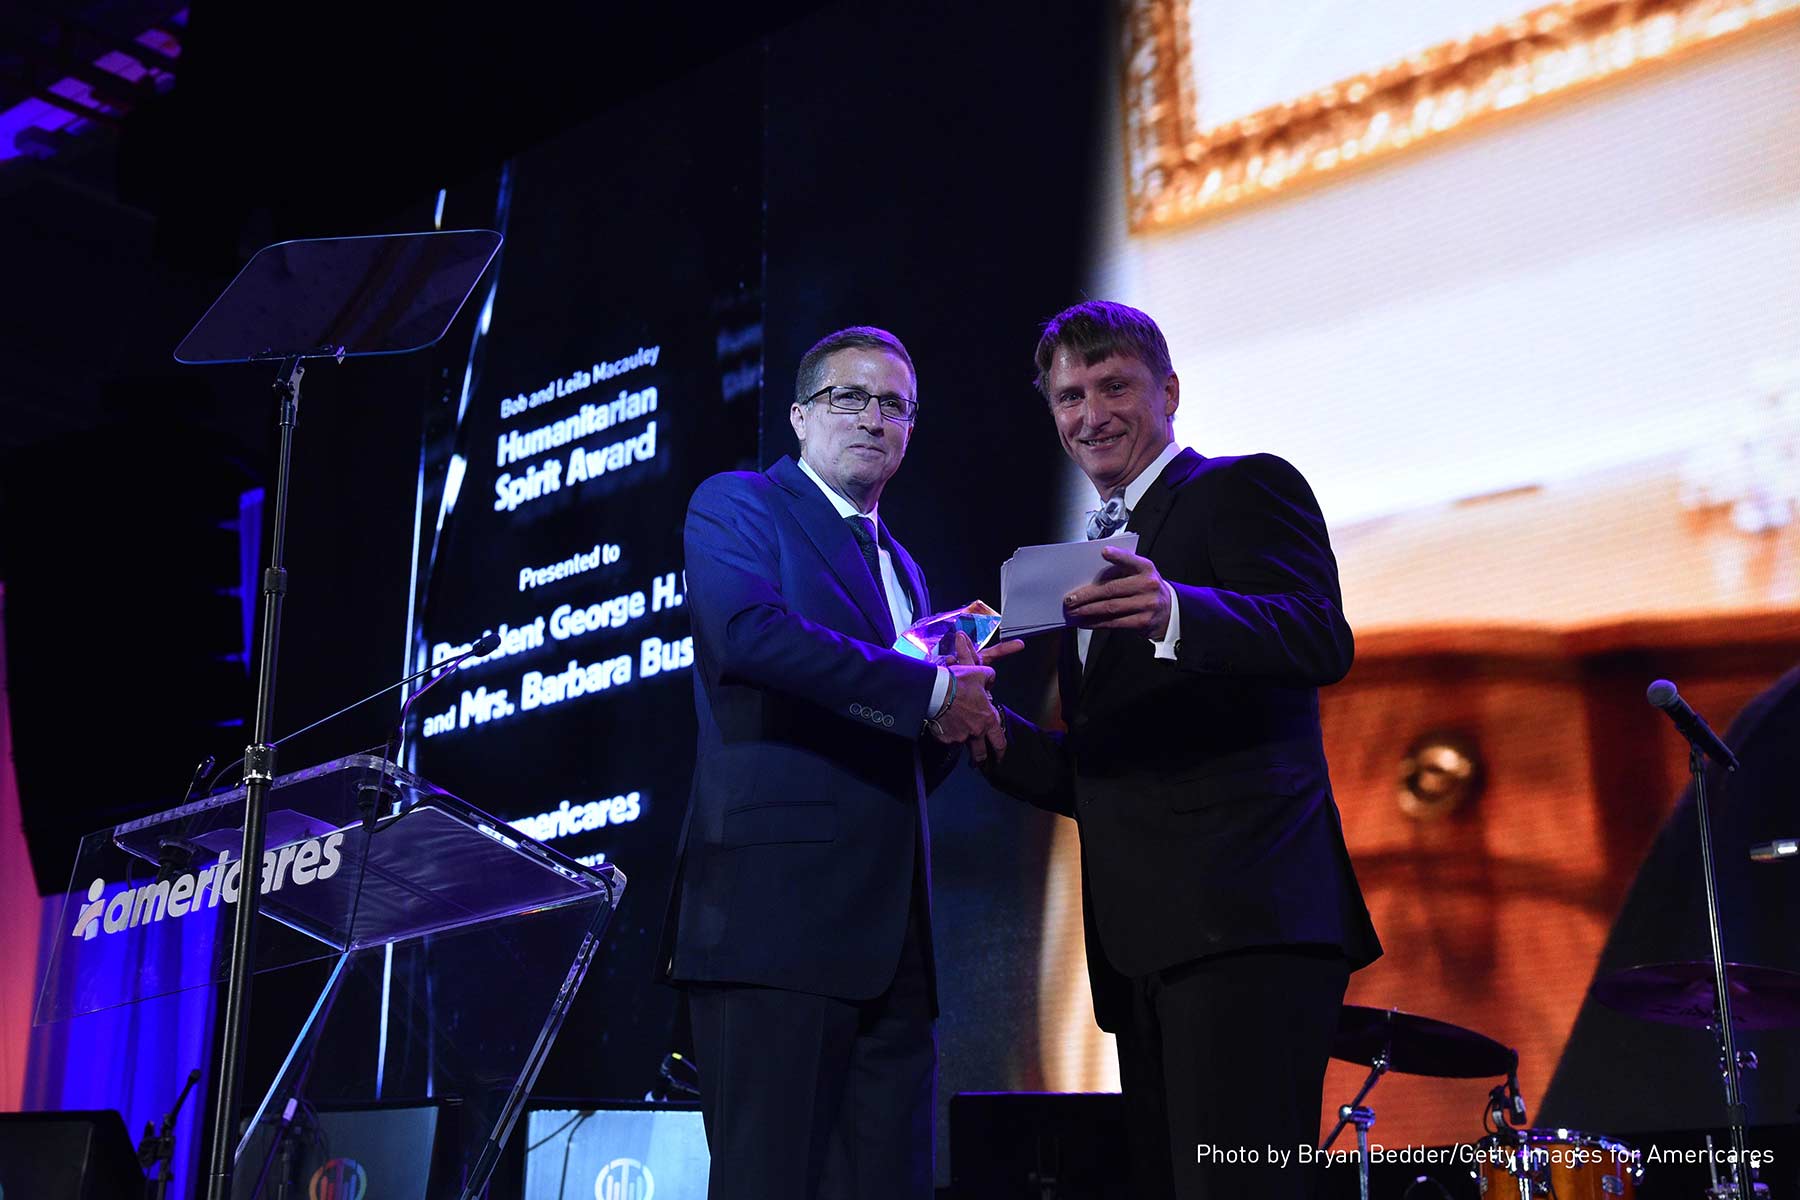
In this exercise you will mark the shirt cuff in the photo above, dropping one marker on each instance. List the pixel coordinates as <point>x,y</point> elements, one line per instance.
<point>1164,647</point>
<point>942,688</point>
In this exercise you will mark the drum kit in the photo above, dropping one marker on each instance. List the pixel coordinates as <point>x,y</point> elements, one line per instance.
<point>1514,1159</point>
<point>1517,1160</point>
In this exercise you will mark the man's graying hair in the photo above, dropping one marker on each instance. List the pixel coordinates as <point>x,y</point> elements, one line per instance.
<point>1098,329</point>
<point>810,377</point>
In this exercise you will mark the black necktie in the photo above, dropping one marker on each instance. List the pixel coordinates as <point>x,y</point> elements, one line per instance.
<point>864,529</point>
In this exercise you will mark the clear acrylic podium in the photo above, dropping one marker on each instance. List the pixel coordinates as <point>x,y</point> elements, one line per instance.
<point>450,946</point>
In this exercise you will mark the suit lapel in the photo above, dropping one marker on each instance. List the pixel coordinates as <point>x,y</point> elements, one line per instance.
<point>1146,521</point>
<point>835,544</point>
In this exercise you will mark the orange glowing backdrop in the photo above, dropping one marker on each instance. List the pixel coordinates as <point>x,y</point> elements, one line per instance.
<point>1545,379</point>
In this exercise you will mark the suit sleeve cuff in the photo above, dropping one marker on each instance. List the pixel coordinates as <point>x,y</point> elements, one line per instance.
<point>1164,647</point>
<point>939,690</point>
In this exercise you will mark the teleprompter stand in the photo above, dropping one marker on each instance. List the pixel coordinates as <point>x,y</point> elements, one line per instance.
<point>323,298</point>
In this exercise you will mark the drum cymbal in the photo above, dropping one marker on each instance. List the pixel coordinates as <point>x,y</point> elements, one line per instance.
<point>1418,1045</point>
<point>1681,993</point>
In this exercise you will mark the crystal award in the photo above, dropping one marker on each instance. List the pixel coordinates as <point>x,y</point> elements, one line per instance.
<point>931,638</point>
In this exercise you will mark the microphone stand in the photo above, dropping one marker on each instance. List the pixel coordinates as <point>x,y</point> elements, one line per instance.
<point>1728,1059</point>
<point>157,1150</point>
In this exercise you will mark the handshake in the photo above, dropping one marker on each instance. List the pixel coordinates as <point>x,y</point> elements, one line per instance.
<point>1128,594</point>
<point>970,716</point>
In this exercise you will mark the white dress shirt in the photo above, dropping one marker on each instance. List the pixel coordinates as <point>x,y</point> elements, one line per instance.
<point>899,603</point>
<point>1135,491</point>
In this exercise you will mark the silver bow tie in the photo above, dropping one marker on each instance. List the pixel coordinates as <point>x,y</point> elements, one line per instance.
<point>1108,519</point>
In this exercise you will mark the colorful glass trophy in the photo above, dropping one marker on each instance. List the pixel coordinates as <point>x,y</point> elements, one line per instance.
<point>931,638</point>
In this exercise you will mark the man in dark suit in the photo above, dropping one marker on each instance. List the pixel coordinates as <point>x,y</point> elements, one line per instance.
<point>1222,916</point>
<point>800,922</point>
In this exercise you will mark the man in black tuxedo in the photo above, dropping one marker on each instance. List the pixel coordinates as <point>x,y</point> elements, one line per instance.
<point>800,923</point>
<point>1221,912</point>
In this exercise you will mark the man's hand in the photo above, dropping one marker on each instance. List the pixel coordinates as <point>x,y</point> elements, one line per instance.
<point>963,651</point>
<point>1130,595</point>
<point>994,653</point>
<point>992,739</point>
<point>971,716</point>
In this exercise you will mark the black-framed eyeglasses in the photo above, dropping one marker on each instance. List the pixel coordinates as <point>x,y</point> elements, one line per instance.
<point>855,400</point>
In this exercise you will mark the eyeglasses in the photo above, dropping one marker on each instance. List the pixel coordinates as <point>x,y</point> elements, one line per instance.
<point>855,400</point>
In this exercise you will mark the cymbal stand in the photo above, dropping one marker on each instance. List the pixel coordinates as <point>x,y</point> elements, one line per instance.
<point>1357,1114</point>
<point>1727,1191</point>
<point>1500,1117</point>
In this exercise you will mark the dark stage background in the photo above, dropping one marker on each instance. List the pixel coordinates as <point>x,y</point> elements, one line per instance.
<point>926,169</point>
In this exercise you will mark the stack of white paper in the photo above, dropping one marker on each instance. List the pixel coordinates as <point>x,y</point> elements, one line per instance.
<point>1035,579</point>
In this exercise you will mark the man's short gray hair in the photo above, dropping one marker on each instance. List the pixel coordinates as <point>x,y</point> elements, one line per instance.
<point>810,377</point>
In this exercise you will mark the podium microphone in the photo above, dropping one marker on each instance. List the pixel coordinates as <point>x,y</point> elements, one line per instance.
<point>206,764</point>
<point>1692,725</point>
<point>486,644</point>
<point>372,796</point>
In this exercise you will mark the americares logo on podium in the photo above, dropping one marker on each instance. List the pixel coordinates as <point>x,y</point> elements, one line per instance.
<point>298,865</point>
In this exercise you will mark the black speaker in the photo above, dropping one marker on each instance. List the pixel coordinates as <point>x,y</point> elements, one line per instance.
<point>67,1156</point>
<point>621,1151</point>
<point>1038,1146</point>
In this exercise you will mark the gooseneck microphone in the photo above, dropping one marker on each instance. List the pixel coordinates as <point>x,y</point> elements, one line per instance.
<point>486,644</point>
<point>1690,724</point>
<point>199,776</point>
